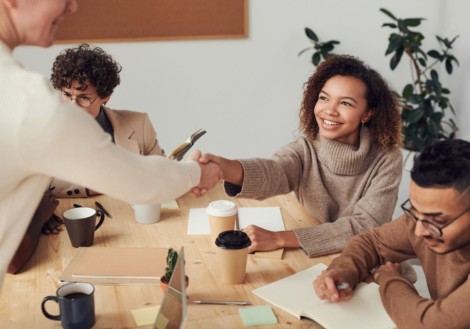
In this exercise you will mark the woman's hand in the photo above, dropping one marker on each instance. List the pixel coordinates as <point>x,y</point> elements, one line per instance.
<point>264,240</point>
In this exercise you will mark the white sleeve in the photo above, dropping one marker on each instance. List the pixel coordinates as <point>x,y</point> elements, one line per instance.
<point>61,140</point>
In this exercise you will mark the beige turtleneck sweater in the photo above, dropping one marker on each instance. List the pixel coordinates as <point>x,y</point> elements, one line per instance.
<point>348,189</point>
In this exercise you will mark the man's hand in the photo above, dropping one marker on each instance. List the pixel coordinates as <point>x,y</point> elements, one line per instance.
<point>211,174</point>
<point>325,286</point>
<point>264,240</point>
<point>387,267</point>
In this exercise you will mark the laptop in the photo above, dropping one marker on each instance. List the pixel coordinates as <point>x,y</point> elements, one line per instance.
<point>174,308</point>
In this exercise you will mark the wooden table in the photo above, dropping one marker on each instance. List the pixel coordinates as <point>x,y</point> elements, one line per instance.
<point>22,293</point>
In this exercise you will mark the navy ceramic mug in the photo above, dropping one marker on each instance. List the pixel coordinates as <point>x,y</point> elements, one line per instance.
<point>76,305</point>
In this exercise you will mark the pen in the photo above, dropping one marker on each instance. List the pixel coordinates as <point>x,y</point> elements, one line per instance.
<point>223,302</point>
<point>99,205</point>
<point>342,286</point>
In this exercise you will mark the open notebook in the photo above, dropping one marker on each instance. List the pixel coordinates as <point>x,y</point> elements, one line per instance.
<point>295,295</point>
<point>173,310</point>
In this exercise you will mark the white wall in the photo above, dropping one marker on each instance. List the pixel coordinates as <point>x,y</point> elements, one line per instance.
<point>246,92</point>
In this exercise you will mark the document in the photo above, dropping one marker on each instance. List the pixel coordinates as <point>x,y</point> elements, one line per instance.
<point>295,295</point>
<point>269,218</point>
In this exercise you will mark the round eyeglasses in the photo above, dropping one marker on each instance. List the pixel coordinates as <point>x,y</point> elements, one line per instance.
<point>431,227</point>
<point>81,100</point>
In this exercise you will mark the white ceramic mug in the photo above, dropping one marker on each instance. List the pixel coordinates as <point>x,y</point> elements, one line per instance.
<point>148,213</point>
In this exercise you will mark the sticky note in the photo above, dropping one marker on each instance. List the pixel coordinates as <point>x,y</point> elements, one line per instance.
<point>145,316</point>
<point>172,204</point>
<point>257,315</point>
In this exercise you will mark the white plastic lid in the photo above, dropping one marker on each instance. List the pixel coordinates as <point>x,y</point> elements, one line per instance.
<point>222,208</point>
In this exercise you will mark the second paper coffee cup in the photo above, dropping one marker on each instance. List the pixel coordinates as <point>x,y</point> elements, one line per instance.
<point>222,216</point>
<point>232,255</point>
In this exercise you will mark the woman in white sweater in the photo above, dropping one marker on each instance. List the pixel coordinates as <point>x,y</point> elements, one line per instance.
<point>35,119</point>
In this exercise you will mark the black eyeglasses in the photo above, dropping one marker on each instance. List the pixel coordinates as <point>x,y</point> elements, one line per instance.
<point>81,100</point>
<point>432,228</point>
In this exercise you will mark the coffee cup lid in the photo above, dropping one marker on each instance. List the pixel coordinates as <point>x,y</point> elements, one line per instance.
<point>233,240</point>
<point>222,208</point>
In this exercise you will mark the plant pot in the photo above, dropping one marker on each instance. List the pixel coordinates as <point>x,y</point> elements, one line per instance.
<point>164,284</point>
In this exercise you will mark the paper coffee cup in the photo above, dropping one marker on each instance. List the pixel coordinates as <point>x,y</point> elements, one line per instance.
<point>148,213</point>
<point>222,216</point>
<point>232,254</point>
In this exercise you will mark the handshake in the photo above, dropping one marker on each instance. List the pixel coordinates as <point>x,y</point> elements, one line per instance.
<point>213,169</point>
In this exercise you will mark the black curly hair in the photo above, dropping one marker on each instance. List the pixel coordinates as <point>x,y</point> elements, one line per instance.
<point>385,122</point>
<point>86,65</point>
<point>444,164</point>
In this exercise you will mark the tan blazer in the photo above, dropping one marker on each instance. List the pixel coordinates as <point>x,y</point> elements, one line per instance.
<point>132,131</point>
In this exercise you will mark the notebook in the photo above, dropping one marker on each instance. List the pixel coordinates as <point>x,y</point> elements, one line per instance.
<point>173,310</point>
<point>123,266</point>
<point>295,295</point>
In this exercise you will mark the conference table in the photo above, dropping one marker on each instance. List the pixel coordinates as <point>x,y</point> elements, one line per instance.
<point>22,293</point>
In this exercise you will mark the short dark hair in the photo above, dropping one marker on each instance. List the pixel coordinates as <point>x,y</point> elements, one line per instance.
<point>385,123</point>
<point>87,65</point>
<point>443,164</point>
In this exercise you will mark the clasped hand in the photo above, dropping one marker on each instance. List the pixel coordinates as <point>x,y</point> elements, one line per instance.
<point>211,174</point>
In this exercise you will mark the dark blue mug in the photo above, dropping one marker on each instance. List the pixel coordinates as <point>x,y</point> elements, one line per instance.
<point>76,305</point>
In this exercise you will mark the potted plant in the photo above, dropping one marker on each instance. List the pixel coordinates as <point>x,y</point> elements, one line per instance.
<point>171,260</point>
<point>424,100</point>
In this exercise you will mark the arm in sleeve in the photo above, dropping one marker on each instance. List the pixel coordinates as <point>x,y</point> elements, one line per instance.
<point>84,154</point>
<point>409,310</point>
<point>264,178</point>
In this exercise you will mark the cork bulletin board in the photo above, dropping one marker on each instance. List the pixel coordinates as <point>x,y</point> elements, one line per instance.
<point>148,20</point>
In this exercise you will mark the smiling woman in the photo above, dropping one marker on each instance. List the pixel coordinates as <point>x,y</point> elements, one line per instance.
<point>344,169</point>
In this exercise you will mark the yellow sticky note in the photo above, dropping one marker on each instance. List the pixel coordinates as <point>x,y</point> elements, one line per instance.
<point>172,204</point>
<point>275,254</point>
<point>145,316</point>
<point>162,322</point>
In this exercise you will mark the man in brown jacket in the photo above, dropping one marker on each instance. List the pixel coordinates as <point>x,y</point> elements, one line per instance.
<point>435,228</point>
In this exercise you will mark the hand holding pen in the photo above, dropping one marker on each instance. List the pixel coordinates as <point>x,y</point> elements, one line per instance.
<point>331,285</point>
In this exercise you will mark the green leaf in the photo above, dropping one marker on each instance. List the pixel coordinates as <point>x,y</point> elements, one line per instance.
<point>311,35</point>
<point>413,22</point>
<point>396,59</point>
<point>316,58</point>
<point>448,63</point>
<point>388,13</point>
<point>415,115</point>
<point>393,26</point>
<point>435,54</point>
<point>303,50</point>
<point>452,58</point>
<point>327,47</point>
<point>395,42</point>
<point>408,90</point>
